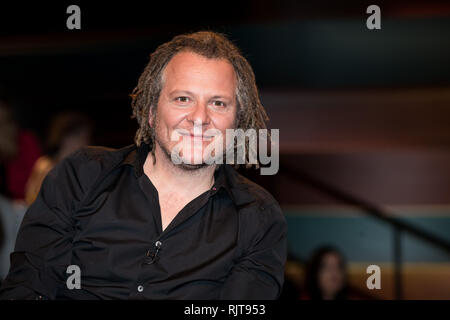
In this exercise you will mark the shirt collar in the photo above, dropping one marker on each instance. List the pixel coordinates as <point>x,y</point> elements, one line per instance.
<point>138,155</point>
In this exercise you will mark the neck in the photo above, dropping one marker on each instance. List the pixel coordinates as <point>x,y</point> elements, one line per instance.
<point>165,175</point>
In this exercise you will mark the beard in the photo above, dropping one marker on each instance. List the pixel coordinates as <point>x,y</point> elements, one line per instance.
<point>182,165</point>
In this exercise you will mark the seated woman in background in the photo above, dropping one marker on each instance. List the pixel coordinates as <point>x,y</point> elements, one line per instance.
<point>326,277</point>
<point>68,132</point>
<point>19,151</point>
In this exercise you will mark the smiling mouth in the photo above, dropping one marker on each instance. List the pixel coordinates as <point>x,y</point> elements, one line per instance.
<point>198,137</point>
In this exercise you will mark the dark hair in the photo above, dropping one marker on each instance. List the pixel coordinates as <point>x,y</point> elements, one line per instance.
<point>63,125</point>
<point>212,45</point>
<point>313,268</point>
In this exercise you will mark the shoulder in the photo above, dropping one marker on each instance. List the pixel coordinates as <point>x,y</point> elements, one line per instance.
<point>255,204</point>
<point>100,154</point>
<point>262,224</point>
<point>96,157</point>
<point>79,171</point>
<point>247,192</point>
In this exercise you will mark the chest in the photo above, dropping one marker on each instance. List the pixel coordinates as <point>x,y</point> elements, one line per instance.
<point>116,230</point>
<point>171,203</point>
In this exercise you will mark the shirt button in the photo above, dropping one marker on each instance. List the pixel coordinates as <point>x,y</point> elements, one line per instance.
<point>140,288</point>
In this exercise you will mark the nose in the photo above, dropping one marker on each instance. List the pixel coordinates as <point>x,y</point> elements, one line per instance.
<point>199,114</point>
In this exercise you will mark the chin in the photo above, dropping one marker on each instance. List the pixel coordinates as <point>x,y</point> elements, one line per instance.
<point>193,160</point>
<point>192,155</point>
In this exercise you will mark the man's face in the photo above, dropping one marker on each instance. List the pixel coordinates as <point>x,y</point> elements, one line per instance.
<point>198,95</point>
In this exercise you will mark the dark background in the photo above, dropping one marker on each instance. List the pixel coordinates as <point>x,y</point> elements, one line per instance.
<point>313,45</point>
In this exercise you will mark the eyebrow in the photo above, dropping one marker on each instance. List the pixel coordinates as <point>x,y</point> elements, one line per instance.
<point>181,92</point>
<point>187,92</point>
<point>222,97</point>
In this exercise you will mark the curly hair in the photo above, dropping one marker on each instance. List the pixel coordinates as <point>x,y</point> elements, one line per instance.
<point>212,45</point>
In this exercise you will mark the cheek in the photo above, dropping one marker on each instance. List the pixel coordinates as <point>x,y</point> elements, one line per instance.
<point>322,279</point>
<point>167,119</point>
<point>225,122</point>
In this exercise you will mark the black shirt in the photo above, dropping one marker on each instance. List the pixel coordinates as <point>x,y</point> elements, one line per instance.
<point>98,210</point>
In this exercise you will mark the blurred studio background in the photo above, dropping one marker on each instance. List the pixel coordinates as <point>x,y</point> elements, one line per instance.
<point>364,119</point>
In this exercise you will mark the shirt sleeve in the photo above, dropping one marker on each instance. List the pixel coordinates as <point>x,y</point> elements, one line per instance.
<point>42,251</point>
<point>259,272</point>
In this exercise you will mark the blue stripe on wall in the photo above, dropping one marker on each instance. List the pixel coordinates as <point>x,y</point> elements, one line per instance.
<point>364,238</point>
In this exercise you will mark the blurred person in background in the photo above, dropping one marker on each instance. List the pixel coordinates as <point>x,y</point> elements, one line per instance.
<point>8,140</point>
<point>293,275</point>
<point>69,131</point>
<point>11,213</point>
<point>326,277</point>
<point>19,151</point>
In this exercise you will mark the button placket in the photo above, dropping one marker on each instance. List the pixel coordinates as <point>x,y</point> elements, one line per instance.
<point>151,257</point>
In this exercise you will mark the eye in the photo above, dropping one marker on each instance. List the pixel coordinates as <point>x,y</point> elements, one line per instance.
<point>218,103</point>
<point>182,99</point>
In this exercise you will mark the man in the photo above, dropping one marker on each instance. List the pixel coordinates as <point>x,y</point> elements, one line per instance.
<point>135,225</point>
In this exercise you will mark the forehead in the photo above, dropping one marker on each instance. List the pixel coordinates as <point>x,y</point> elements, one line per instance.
<point>193,71</point>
